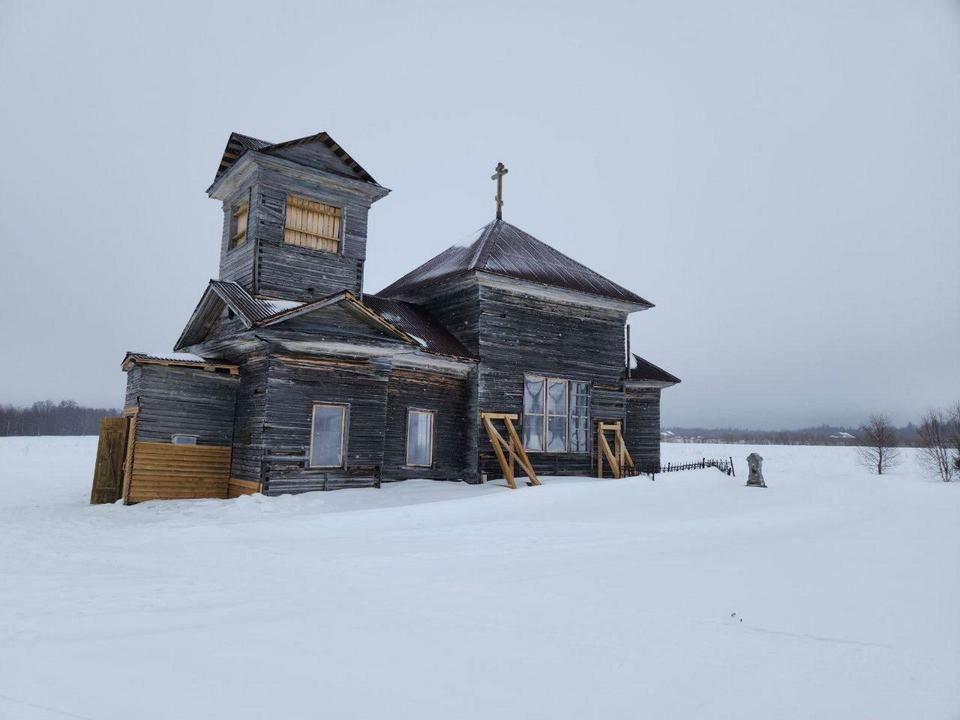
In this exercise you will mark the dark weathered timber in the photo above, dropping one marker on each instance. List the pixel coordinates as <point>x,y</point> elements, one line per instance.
<point>641,431</point>
<point>264,264</point>
<point>286,327</point>
<point>294,385</point>
<point>447,397</point>
<point>521,333</point>
<point>182,400</point>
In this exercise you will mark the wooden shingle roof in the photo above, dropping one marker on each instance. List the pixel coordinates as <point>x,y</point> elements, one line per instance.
<point>504,249</point>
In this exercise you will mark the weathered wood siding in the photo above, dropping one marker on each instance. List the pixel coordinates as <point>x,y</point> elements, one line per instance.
<point>133,387</point>
<point>184,400</point>
<point>294,385</point>
<point>237,263</point>
<point>447,397</point>
<point>642,428</point>
<point>316,155</point>
<point>457,306</point>
<point>520,334</point>
<point>299,273</point>
<point>251,413</point>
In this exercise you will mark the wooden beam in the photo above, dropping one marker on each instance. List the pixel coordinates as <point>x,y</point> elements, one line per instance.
<point>496,439</point>
<point>514,448</point>
<point>521,453</point>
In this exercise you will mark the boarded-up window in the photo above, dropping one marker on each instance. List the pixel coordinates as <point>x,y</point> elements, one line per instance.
<point>556,415</point>
<point>238,224</point>
<point>312,224</point>
<point>327,435</point>
<point>420,438</point>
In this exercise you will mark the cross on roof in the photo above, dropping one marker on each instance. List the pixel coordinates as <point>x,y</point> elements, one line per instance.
<point>498,176</point>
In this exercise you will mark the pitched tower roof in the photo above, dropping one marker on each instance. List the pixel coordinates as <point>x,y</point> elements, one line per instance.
<point>504,249</point>
<point>238,144</point>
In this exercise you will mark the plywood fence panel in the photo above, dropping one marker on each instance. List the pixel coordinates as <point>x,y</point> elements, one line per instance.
<point>111,450</point>
<point>163,471</point>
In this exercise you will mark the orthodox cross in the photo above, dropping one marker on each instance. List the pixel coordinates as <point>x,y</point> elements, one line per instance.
<point>498,176</point>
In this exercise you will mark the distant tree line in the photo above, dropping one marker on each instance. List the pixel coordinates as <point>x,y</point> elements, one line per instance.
<point>878,441</point>
<point>820,435</point>
<point>50,418</point>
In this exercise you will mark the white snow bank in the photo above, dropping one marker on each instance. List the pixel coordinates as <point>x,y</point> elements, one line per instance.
<point>831,594</point>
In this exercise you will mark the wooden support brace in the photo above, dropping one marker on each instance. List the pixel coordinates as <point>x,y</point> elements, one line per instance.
<point>509,452</point>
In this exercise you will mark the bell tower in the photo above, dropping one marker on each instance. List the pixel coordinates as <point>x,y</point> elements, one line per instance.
<point>294,217</point>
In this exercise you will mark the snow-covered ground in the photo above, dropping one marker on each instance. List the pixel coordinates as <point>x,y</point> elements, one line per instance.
<point>831,594</point>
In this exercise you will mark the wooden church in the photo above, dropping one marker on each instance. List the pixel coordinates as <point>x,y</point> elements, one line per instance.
<point>501,358</point>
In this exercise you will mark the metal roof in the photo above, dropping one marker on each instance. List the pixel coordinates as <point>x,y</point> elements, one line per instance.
<point>504,249</point>
<point>238,144</point>
<point>254,310</point>
<point>405,320</point>
<point>175,359</point>
<point>419,324</point>
<point>646,370</point>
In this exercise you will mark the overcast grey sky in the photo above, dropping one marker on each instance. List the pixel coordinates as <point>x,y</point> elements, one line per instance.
<point>781,178</point>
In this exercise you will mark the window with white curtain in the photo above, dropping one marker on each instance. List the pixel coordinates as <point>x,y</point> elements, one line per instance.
<point>556,415</point>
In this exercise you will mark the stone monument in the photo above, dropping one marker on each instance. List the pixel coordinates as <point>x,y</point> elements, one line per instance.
<point>755,462</point>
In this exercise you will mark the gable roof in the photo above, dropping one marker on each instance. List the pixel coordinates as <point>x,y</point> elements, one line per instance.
<point>646,370</point>
<point>423,327</point>
<point>238,144</point>
<point>405,321</point>
<point>504,249</point>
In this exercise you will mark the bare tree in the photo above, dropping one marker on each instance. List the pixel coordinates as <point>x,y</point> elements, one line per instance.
<point>878,444</point>
<point>937,436</point>
<point>955,433</point>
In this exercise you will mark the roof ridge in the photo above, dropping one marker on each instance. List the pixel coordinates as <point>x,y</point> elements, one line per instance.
<point>483,250</point>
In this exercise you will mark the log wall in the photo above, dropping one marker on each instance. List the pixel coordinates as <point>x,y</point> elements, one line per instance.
<point>174,400</point>
<point>447,397</point>
<point>294,385</point>
<point>641,431</point>
<point>521,334</point>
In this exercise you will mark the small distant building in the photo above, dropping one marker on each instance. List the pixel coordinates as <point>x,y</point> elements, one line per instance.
<point>289,377</point>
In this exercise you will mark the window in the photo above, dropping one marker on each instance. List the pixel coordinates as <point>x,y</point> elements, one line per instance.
<point>420,438</point>
<point>184,439</point>
<point>313,225</point>
<point>327,435</point>
<point>238,224</point>
<point>579,416</point>
<point>533,410</point>
<point>556,415</point>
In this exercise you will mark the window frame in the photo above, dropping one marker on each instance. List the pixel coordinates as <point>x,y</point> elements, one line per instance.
<point>433,425</point>
<point>344,430</point>
<point>546,415</point>
<point>341,240</point>
<point>235,234</point>
<point>572,405</point>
